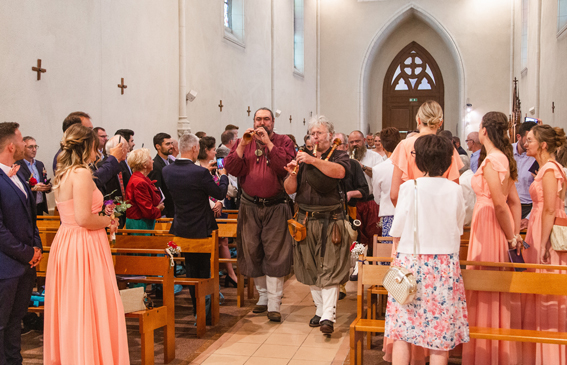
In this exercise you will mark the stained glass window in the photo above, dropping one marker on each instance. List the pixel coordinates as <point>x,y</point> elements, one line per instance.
<point>228,14</point>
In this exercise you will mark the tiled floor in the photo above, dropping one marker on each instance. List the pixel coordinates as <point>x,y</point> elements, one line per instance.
<point>256,340</point>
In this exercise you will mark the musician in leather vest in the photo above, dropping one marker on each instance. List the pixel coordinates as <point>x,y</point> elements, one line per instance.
<point>321,259</point>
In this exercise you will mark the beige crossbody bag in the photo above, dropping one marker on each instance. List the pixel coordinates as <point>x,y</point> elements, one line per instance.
<point>399,281</point>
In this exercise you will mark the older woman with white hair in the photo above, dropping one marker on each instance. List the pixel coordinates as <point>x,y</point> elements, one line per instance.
<point>145,198</point>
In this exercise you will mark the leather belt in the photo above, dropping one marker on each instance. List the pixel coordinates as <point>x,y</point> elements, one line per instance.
<point>333,214</point>
<point>266,202</point>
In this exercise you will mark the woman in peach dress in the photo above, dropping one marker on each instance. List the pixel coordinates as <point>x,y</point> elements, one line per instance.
<point>545,312</point>
<point>429,119</point>
<point>495,228</point>
<point>84,317</point>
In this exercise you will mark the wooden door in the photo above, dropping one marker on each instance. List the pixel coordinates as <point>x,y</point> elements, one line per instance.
<point>412,78</point>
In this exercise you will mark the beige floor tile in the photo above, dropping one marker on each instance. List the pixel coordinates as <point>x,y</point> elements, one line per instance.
<point>318,340</point>
<point>237,348</point>
<point>250,338</point>
<point>308,362</point>
<point>215,359</point>
<point>315,354</point>
<point>256,360</point>
<point>294,328</point>
<point>287,339</point>
<point>307,310</point>
<point>276,351</point>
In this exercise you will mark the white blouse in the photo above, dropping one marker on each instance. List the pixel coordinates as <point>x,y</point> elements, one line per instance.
<point>381,184</point>
<point>440,216</point>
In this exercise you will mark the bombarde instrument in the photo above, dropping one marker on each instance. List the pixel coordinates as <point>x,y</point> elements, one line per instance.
<point>336,143</point>
<point>247,137</point>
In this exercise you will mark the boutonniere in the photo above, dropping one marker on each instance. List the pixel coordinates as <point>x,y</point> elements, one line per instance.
<point>32,181</point>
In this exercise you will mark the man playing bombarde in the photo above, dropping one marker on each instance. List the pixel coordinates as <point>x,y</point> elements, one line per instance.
<point>258,160</point>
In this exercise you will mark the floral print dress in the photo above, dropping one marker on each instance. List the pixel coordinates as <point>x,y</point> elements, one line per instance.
<point>437,317</point>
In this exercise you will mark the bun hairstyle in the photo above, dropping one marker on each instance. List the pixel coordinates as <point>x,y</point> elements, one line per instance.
<point>77,146</point>
<point>496,125</point>
<point>553,136</point>
<point>430,114</point>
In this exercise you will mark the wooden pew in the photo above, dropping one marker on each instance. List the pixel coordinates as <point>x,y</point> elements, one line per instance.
<point>150,319</point>
<point>203,287</point>
<point>478,280</point>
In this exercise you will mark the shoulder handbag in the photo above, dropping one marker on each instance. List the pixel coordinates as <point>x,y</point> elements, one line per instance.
<point>133,299</point>
<point>558,236</point>
<point>399,281</point>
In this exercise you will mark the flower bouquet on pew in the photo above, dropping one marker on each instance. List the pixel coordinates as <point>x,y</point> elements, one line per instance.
<point>356,249</point>
<point>115,208</point>
<point>172,250</point>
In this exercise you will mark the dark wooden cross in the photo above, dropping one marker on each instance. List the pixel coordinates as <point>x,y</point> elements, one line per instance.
<point>290,118</point>
<point>249,111</point>
<point>553,107</point>
<point>220,105</point>
<point>303,121</point>
<point>38,69</point>
<point>122,86</point>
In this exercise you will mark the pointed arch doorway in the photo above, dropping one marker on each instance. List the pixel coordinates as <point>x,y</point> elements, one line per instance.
<point>412,78</point>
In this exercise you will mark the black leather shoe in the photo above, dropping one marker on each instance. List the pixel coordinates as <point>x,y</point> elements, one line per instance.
<point>314,322</point>
<point>326,327</point>
<point>228,282</point>
<point>342,296</point>
<point>275,316</point>
<point>260,309</point>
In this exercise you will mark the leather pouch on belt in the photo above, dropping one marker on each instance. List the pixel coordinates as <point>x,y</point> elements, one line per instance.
<point>336,234</point>
<point>297,230</point>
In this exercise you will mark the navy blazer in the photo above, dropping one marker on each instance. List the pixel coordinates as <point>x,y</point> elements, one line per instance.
<point>103,173</point>
<point>156,174</point>
<point>27,174</point>
<point>18,229</point>
<point>190,187</point>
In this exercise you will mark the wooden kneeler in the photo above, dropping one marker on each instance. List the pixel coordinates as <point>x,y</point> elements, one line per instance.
<point>152,319</point>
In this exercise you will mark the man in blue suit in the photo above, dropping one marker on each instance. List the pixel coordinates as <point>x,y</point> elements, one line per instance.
<point>190,187</point>
<point>20,245</point>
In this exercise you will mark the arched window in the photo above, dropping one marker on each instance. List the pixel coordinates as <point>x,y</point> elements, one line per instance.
<point>233,20</point>
<point>413,74</point>
<point>228,14</point>
<point>298,37</point>
<point>561,16</point>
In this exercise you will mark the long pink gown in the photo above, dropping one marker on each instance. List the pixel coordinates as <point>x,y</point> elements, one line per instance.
<point>84,317</point>
<point>488,243</point>
<point>544,312</point>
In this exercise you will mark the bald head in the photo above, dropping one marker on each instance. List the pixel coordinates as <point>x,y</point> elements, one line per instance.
<point>473,143</point>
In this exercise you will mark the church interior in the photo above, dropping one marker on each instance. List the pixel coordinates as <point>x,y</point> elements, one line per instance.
<point>194,65</point>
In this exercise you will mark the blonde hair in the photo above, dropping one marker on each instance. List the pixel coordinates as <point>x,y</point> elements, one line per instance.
<point>430,114</point>
<point>77,146</point>
<point>137,159</point>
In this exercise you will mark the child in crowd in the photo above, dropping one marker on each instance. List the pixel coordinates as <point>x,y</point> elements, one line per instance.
<point>437,318</point>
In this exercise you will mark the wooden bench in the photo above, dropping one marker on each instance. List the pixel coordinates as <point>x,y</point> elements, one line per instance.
<point>203,287</point>
<point>150,319</point>
<point>491,280</point>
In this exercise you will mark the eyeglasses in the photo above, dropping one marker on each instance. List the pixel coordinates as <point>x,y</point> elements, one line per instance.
<point>33,147</point>
<point>468,140</point>
<point>313,134</point>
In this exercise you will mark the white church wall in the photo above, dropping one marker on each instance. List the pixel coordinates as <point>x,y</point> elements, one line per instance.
<point>86,48</point>
<point>542,82</point>
<point>219,69</point>
<point>480,34</point>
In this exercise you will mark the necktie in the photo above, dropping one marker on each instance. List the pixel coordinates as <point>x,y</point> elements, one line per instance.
<point>121,185</point>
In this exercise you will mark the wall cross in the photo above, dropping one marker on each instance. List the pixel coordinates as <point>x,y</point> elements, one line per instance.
<point>122,86</point>
<point>249,111</point>
<point>220,105</point>
<point>38,69</point>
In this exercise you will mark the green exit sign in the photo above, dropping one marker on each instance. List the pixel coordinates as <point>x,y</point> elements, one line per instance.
<point>412,99</point>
